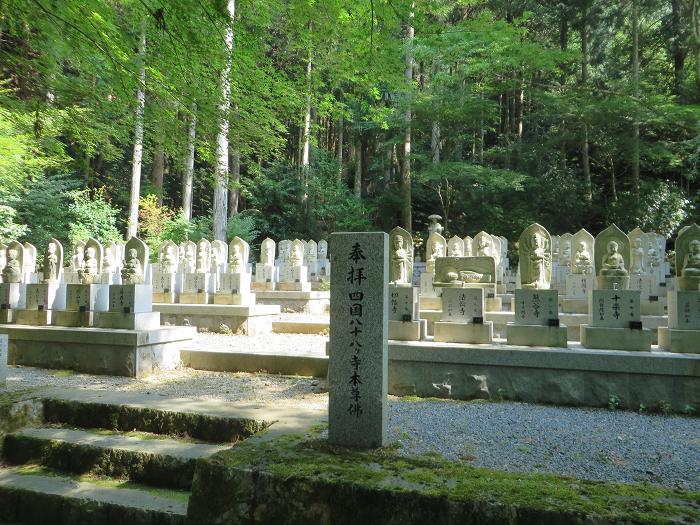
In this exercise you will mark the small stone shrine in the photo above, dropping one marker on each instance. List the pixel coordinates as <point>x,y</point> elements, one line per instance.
<point>29,264</point>
<point>357,400</point>
<point>293,276</point>
<point>13,287</point>
<point>324,263</point>
<point>683,332</point>
<point>266,275</point>
<point>235,282</point>
<point>197,285</point>
<point>131,303</point>
<point>48,295</point>
<point>404,320</point>
<point>435,248</point>
<point>612,256</point>
<point>167,277</point>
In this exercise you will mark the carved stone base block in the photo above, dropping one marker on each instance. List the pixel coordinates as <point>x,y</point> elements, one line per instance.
<point>242,299</point>
<point>34,317</point>
<point>124,321</point>
<point>612,283</point>
<point>72,318</point>
<point>464,332</point>
<point>536,335</point>
<point>407,330</point>
<point>194,298</point>
<point>604,338</point>
<point>679,341</point>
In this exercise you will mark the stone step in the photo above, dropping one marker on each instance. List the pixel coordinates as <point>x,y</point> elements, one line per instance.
<point>39,499</point>
<point>300,327</point>
<point>128,412</point>
<point>146,459</point>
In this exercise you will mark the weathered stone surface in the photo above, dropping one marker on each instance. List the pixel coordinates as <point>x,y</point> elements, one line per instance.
<point>358,334</point>
<point>614,308</point>
<point>402,303</point>
<point>536,307</point>
<point>3,358</point>
<point>462,305</point>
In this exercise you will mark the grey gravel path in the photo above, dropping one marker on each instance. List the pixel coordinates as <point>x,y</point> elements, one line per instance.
<point>592,444</point>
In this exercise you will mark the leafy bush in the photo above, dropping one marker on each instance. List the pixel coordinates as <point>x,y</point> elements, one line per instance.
<point>9,229</point>
<point>92,216</point>
<point>244,226</point>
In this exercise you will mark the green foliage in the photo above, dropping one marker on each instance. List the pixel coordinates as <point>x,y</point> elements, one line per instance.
<point>92,216</point>
<point>9,229</point>
<point>243,226</point>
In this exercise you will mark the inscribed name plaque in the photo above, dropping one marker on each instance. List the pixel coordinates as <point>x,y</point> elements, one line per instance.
<point>536,307</point>
<point>462,305</point>
<point>4,340</point>
<point>402,303</point>
<point>614,308</point>
<point>358,339</point>
<point>684,310</point>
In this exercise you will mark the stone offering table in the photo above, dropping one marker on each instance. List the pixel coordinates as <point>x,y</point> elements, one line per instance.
<point>130,353</point>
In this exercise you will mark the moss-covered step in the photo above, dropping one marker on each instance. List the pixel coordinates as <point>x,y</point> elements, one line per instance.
<point>126,417</point>
<point>299,479</point>
<point>145,458</point>
<point>39,499</point>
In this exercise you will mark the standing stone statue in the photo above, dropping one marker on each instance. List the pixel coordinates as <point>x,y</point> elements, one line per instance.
<point>134,267</point>
<point>311,251</point>
<point>267,252</point>
<point>189,257</point>
<point>219,255</point>
<point>12,272</point>
<point>565,250</point>
<point>612,253</point>
<point>168,257</point>
<point>296,257</point>
<point>111,256</point>
<point>434,226</point>
<point>76,262</point>
<point>203,256</point>
<point>468,247</point>
<point>53,259</point>
<point>535,250</point>
<point>285,251</point>
<point>238,253</point>
<point>435,248</point>
<point>29,259</point>
<point>400,257</point>
<point>323,249</point>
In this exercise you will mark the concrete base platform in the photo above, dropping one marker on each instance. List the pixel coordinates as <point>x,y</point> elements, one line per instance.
<point>679,341</point>
<point>616,338</point>
<point>164,297</point>
<point>74,319</point>
<point>407,330</point>
<point>301,365</point>
<point>248,320</point>
<point>533,335</point>
<point>430,303</point>
<point>464,332</point>
<point>95,350</point>
<point>575,376</point>
<point>294,287</point>
<point>139,321</point>
<point>300,327</point>
<point>194,298</point>
<point>33,317</point>
<point>316,303</point>
<point>574,305</point>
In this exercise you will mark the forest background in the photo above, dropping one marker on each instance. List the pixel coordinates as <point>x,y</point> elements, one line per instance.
<point>180,119</point>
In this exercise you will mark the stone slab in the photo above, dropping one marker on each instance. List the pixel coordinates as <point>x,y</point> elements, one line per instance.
<point>574,306</point>
<point>300,327</point>
<point>462,305</point>
<point>246,320</point>
<point>430,303</point>
<point>315,366</point>
<point>239,299</point>
<point>197,283</point>
<point>46,296</point>
<point>406,330</point>
<point>69,318</point>
<point>684,310</point>
<point>128,353</point>
<point>357,411</point>
<point>464,332</point>
<point>34,317</point>
<point>234,283</point>
<point>3,358</point>
<point>578,285</point>
<point>123,321</point>
<point>310,302</point>
<point>194,298</point>
<point>13,295</point>
<point>536,335</point>
<point>536,307</point>
<point>614,308</point>
<point>89,297</point>
<point>294,287</point>
<point>638,340</point>
<point>403,301</point>
<point>130,298</point>
<point>679,341</point>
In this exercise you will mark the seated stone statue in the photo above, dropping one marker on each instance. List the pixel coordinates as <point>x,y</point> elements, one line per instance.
<point>653,258</point>
<point>456,251</point>
<point>88,271</point>
<point>169,263</point>
<point>296,256</point>
<point>582,259</point>
<point>132,272</point>
<point>613,263</point>
<point>691,262</point>
<point>12,272</point>
<point>235,261</point>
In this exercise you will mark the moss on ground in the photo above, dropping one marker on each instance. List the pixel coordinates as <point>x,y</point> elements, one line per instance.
<point>309,457</point>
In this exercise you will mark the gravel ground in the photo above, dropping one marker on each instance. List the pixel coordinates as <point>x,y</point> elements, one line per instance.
<point>296,344</point>
<point>585,443</point>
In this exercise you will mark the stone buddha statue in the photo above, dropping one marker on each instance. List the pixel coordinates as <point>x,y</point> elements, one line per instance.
<point>613,264</point>
<point>538,262</point>
<point>399,262</point>
<point>78,258</point>
<point>109,260</point>
<point>132,272</point>
<point>202,255</point>
<point>169,262</point>
<point>438,250</point>
<point>88,271</point>
<point>296,256</point>
<point>12,272</point>
<point>582,259</point>
<point>637,257</point>
<point>235,260</point>
<point>691,262</point>
<point>51,264</point>
<point>456,251</point>
<point>483,249</point>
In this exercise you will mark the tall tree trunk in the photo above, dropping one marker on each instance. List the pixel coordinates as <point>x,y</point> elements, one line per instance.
<point>677,48</point>
<point>158,169</point>
<point>339,148</point>
<point>234,191</point>
<point>435,142</point>
<point>358,168</point>
<point>635,88</point>
<point>307,130</point>
<point>406,215</point>
<point>563,44</point>
<point>693,8</point>
<point>188,175</point>
<point>221,170</point>
<point>585,161</point>
<point>138,138</point>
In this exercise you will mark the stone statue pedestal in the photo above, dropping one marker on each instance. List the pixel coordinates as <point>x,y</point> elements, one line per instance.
<point>266,277</point>
<point>166,286</point>
<point>536,320</point>
<point>615,322</point>
<point>196,288</point>
<point>110,278</point>
<point>235,290</point>
<point>683,332</point>
<point>612,282</point>
<point>426,285</point>
<point>293,279</point>
<point>324,270</point>
<point>646,284</point>
<point>578,285</point>
<point>84,302</point>
<point>71,277</point>
<point>467,333</point>
<point>462,319</point>
<point>130,308</point>
<point>42,300</point>
<point>404,320</point>
<point>12,297</point>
